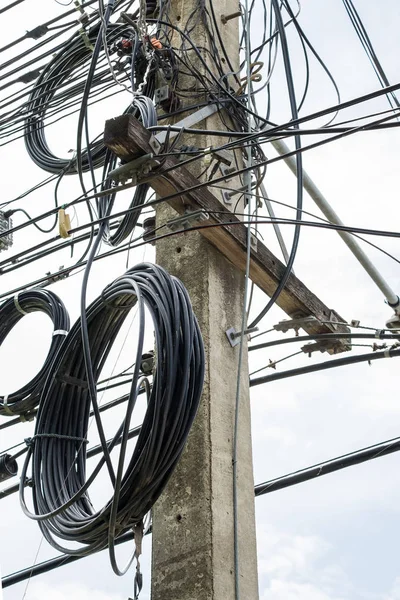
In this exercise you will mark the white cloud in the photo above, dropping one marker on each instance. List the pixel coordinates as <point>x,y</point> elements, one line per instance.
<point>394,593</point>
<point>66,591</point>
<point>286,590</point>
<point>285,555</point>
<point>298,567</point>
<point>276,433</point>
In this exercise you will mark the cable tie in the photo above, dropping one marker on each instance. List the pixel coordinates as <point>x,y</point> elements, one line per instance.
<point>70,380</point>
<point>83,17</point>
<point>379,333</point>
<point>386,353</point>
<point>85,39</point>
<point>60,332</point>
<point>58,436</point>
<point>17,304</point>
<point>6,408</point>
<point>26,417</point>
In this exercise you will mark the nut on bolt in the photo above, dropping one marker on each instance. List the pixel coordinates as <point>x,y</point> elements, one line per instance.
<point>147,363</point>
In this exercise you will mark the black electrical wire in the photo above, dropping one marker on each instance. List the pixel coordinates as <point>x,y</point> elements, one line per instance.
<point>9,213</point>
<point>330,364</point>
<point>12,99</point>
<point>326,111</point>
<point>299,168</point>
<point>11,5</point>
<point>60,493</point>
<point>29,191</point>
<point>12,311</point>
<point>26,77</point>
<point>369,49</point>
<point>102,408</point>
<point>94,451</point>
<point>44,26</point>
<point>74,54</point>
<point>59,108</point>
<point>53,563</point>
<point>223,89</point>
<point>303,36</point>
<point>37,252</point>
<point>198,186</point>
<point>381,335</point>
<point>64,272</point>
<point>329,466</point>
<point>294,478</point>
<point>142,107</point>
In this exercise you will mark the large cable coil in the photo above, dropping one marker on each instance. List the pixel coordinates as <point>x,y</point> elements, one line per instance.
<point>61,501</point>
<point>11,312</point>
<point>51,88</point>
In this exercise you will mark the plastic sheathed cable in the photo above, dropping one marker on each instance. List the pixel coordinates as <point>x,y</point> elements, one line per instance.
<point>11,312</point>
<point>58,453</point>
<point>73,56</point>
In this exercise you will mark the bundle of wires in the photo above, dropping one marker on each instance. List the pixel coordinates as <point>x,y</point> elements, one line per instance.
<point>12,311</point>
<point>58,452</point>
<point>143,109</point>
<point>62,82</point>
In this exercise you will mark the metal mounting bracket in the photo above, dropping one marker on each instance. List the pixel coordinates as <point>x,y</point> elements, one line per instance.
<point>234,336</point>
<point>187,220</point>
<point>135,169</point>
<point>295,324</point>
<point>189,121</point>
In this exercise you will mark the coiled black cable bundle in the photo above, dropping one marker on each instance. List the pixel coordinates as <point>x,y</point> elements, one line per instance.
<point>58,451</point>
<point>73,56</point>
<point>142,108</point>
<point>12,311</point>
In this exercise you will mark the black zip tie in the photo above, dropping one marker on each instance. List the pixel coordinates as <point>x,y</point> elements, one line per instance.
<point>57,436</point>
<point>70,380</point>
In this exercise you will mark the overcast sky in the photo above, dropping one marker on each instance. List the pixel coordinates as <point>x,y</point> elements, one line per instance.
<point>330,539</point>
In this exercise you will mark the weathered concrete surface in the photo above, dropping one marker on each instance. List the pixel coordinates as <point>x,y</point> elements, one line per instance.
<point>193,551</point>
<point>193,519</point>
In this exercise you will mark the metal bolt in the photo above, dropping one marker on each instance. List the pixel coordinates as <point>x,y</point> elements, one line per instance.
<point>226,18</point>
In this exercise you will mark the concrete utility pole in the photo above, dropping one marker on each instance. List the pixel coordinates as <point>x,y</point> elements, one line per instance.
<point>193,528</point>
<point>193,525</point>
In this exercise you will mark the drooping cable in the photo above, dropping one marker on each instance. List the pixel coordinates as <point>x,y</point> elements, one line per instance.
<point>299,165</point>
<point>329,364</point>
<point>60,494</point>
<point>12,311</point>
<point>74,54</point>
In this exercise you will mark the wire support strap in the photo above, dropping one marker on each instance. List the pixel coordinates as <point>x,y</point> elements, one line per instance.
<point>17,304</point>
<point>70,438</point>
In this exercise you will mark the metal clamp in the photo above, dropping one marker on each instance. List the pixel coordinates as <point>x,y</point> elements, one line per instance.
<point>139,167</point>
<point>187,220</point>
<point>295,324</point>
<point>322,346</point>
<point>234,336</point>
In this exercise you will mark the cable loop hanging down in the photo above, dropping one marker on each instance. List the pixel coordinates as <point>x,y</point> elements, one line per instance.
<point>11,312</point>
<point>48,91</point>
<point>61,500</point>
<point>143,109</point>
